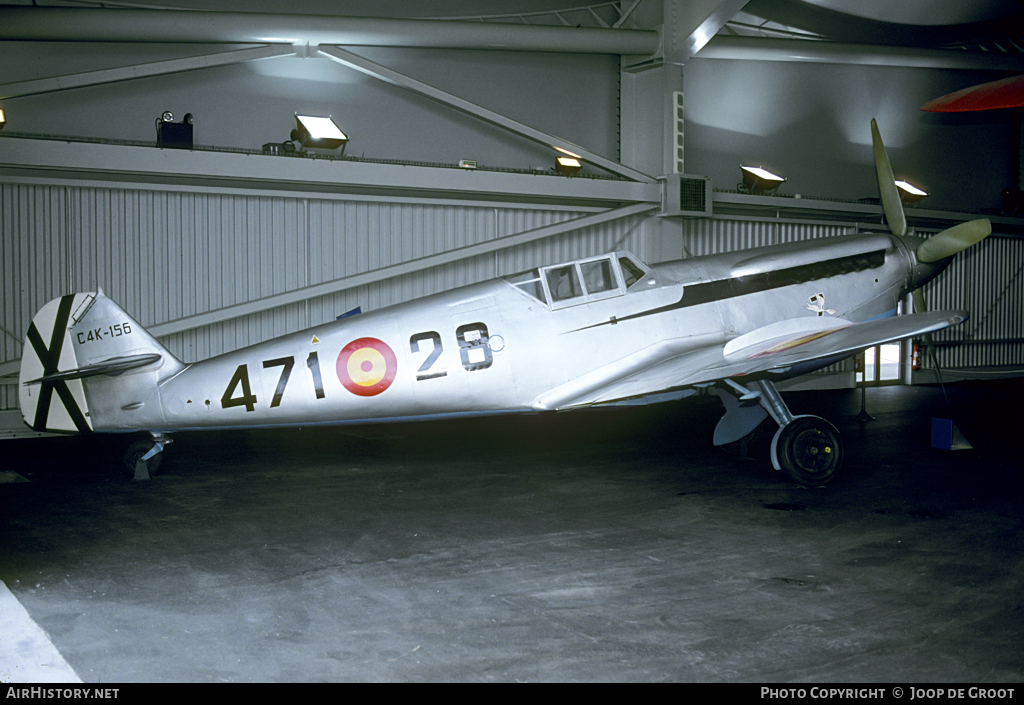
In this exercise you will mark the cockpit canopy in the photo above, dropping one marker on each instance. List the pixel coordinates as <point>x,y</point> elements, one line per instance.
<point>582,281</point>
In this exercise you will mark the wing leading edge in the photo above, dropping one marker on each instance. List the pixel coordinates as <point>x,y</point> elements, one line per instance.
<point>784,348</point>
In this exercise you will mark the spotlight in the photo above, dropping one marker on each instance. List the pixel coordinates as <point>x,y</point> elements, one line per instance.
<point>567,165</point>
<point>177,135</point>
<point>567,152</point>
<point>909,193</point>
<point>3,118</point>
<point>758,180</point>
<point>318,133</point>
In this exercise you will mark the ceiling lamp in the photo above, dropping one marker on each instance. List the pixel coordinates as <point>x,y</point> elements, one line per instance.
<point>909,193</point>
<point>318,133</point>
<point>759,180</point>
<point>3,118</point>
<point>567,165</point>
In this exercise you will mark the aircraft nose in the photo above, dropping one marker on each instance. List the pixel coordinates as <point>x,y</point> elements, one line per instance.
<point>923,272</point>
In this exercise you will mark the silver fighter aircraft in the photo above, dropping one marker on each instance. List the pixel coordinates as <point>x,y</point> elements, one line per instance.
<point>599,330</point>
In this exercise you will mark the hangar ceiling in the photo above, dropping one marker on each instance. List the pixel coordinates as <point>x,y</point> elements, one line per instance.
<point>979,36</point>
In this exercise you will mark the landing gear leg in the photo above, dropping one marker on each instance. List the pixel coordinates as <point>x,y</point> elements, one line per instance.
<point>806,448</point>
<point>143,458</point>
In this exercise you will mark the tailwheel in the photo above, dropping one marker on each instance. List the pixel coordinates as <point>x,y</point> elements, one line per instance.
<point>808,450</point>
<point>136,461</point>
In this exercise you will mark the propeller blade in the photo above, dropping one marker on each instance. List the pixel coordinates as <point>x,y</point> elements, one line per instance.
<point>891,203</point>
<point>919,305</point>
<point>953,240</point>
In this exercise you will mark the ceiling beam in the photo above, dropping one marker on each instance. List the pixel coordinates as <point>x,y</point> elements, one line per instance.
<point>126,73</point>
<point>65,24</point>
<point>690,24</point>
<point>801,50</point>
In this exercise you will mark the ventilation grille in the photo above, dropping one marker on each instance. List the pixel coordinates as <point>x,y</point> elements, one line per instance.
<point>687,195</point>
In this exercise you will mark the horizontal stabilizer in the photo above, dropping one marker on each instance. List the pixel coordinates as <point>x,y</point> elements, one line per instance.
<point>114,366</point>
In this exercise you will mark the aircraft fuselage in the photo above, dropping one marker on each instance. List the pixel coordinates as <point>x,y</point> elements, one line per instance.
<point>505,345</point>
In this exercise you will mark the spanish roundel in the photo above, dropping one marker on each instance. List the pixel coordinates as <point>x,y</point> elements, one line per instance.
<point>367,366</point>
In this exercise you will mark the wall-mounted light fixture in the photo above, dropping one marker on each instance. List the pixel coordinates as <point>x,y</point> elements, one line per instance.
<point>759,180</point>
<point>567,165</point>
<point>174,134</point>
<point>318,133</point>
<point>909,193</point>
<point>3,118</point>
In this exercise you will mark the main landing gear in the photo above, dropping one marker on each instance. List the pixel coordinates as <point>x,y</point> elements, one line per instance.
<point>143,458</point>
<point>806,448</point>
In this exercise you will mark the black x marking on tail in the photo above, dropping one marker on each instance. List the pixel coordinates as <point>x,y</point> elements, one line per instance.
<point>50,357</point>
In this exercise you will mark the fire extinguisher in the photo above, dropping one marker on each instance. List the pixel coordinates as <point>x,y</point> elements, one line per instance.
<point>915,360</point>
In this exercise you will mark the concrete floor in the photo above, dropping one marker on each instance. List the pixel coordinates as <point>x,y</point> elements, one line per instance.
<point>611,545</point>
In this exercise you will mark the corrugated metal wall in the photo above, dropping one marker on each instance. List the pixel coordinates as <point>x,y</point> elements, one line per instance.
<point>713,235</point>
<point>988,281</point>
<point>164,255</point>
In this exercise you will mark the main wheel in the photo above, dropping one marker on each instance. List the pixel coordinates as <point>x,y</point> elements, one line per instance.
<point>808,450</point>
<point>134,454</point>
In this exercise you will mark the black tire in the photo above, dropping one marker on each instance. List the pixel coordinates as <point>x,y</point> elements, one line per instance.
<point>809,451</point>
<point>134,454</point>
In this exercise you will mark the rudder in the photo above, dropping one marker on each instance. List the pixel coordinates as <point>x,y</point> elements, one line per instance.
<point>70,339</point>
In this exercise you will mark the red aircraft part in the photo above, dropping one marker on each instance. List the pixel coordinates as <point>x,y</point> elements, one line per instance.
<point>1007,93</point>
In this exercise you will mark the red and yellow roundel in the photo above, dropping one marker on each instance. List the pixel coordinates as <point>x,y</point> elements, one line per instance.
<point>367,366</point>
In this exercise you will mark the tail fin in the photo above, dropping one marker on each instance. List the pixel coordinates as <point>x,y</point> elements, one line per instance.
<point>71,339</point>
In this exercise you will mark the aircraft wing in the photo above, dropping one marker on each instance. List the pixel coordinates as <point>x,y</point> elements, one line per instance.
<point>795,345</point>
